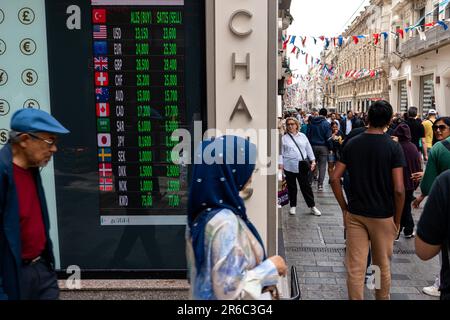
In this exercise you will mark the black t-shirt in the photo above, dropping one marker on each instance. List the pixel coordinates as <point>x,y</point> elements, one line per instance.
<point>370,159</point>
<point>417,131</point>
<point>434,224</point>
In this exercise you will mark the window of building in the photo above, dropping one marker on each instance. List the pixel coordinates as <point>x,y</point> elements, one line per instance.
<point>386,47</point>
<point>402,96</point>
<point>436,12</point>
<point>422,15</point>
<point>447,11</point>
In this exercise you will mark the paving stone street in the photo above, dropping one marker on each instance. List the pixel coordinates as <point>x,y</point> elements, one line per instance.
<point>316,246</point>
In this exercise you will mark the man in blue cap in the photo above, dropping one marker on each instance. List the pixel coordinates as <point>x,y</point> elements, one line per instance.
<point>26,254</point>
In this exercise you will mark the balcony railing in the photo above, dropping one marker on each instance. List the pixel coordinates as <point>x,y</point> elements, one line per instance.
<point>436,38</point>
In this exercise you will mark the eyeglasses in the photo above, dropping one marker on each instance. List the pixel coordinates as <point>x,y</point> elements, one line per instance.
<point>441,127</point>
<point>47,141</point>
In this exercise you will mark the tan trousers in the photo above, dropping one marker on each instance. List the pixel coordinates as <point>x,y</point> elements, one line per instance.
<point>380,235</point>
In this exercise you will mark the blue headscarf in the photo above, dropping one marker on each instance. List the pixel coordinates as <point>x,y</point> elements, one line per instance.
<point>216,184</point>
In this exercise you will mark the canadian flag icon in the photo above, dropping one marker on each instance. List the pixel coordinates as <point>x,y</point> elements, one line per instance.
<point>102,109</point>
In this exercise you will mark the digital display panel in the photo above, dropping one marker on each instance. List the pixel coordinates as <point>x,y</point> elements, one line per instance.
<point>138,57</point>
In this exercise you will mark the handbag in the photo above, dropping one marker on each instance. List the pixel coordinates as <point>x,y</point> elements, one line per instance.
<point>273,291</point>
<point>283,195</point>
<point>304,165</point>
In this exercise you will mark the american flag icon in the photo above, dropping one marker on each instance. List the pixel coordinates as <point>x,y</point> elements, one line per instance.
<point>99,31</point>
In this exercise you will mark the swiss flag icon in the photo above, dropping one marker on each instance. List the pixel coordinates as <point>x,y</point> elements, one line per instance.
<point>98,15</point>
<point>102,109</point>
<point>101,79</point>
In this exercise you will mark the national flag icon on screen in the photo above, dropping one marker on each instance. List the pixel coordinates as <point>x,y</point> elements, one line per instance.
<point>101,79</point>
<point>101,94</point>
<point>98,15</point>
<point>104,154</point>
<point>99,31</point>
<point>101,63</point>
<point>106,184</point>
<point>102,109</point>
<point>100,48</point>
<point>104,140</point>
<point>105,169</point>
<point>103,125</point>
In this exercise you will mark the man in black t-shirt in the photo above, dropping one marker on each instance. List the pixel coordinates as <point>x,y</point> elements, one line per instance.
<point>375,165</point>
<point>433,230</point>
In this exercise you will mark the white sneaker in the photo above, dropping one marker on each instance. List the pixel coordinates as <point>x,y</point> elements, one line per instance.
<point>316,211</point>
<point>292,211</point>
<point>432,290</point>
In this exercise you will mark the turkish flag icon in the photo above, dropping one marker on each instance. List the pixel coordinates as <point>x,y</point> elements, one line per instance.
<point>99,15</point>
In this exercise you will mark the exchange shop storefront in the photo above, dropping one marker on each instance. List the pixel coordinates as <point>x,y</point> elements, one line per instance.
<point>122,75</point>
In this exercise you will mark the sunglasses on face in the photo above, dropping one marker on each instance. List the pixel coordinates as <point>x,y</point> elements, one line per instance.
<point>441,127</point>
<point>291,124</point>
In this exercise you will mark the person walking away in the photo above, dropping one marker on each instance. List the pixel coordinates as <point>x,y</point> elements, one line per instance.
<point>428,127</point>
<point>373,213</point>
<point>413,165</point>
<point>26,251</point>
<point>433,230</point>
<point>438,162</point>
<point>417,131</point>
<point>295,147</point>
<point>319,133</point>
<point>225,254</point>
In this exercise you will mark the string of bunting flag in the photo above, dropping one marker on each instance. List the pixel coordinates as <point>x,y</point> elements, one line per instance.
<point>339,41</point>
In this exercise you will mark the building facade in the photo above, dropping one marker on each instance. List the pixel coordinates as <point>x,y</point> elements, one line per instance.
<point>420,64</point>
<point>362,73</point>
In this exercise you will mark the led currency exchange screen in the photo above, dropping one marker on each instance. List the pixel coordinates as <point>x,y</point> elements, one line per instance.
<point>121,75</point>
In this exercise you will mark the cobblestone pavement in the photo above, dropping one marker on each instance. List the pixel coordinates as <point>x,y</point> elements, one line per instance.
<point>315,245</point>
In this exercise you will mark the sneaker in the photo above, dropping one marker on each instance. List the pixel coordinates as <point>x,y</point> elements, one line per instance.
<point>320,188</point>
<point>409,236</point>
<point>398,237</point>
<point>432,290</point>
<point>315,212</point>
<point>292,211</point>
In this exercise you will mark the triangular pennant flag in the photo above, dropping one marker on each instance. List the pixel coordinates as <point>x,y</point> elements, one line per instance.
<point>385,35</point>
<point>422,34</point>
<point>293,39</point>
<point>355,39</point>
<point>286,42</point>
<point>327,43</point>
<point>341,41</point>
<point>304,41</point>
<point>401,33</point>
<point>322,38</point>
<point>430,24</point>
<point>293,50</point>
<point>334,42</point>
<point>306,59</point>
<point>315,40</point>
<point>376,38</point>
<point>442,24</point>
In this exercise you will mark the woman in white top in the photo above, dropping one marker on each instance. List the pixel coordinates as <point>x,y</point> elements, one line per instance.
<point>291,154</point>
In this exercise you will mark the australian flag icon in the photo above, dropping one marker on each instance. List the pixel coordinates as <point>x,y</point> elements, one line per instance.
<point>102,94</point>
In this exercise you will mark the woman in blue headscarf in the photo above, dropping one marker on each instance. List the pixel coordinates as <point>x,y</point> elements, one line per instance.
<point>226,256</point>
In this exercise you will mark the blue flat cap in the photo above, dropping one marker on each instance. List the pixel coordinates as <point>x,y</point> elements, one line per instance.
<point>33,120</point>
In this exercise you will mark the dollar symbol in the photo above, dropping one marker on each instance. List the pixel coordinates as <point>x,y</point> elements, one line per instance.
<point>1,77</point>
<point>29,77</point>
